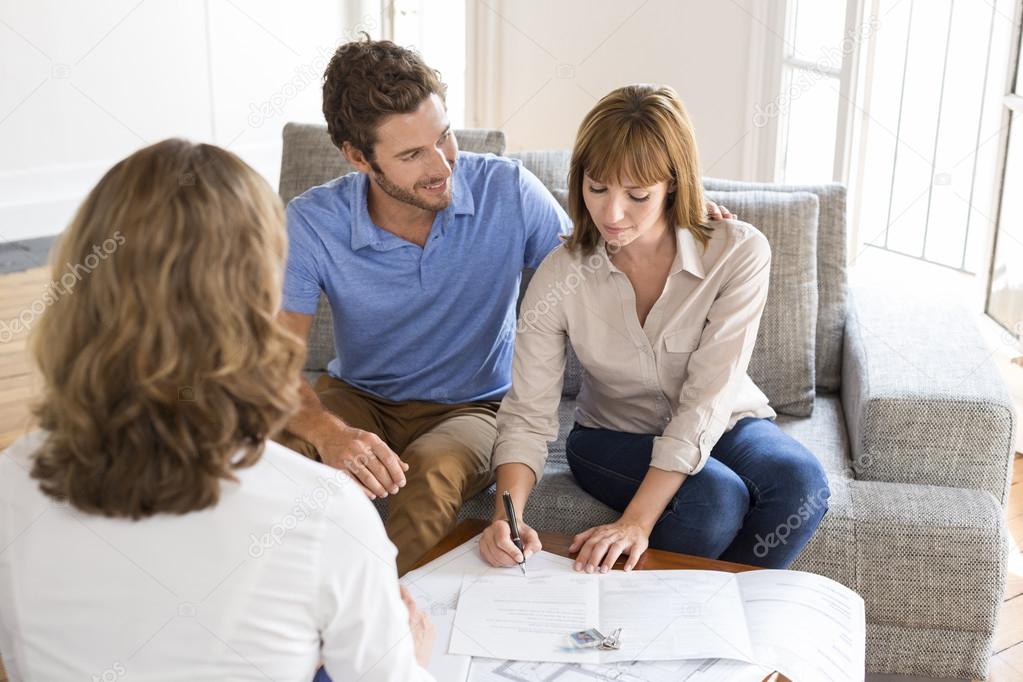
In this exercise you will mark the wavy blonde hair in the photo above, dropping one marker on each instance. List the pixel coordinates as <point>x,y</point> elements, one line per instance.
<point>640,132</point>
<point>164,368</point>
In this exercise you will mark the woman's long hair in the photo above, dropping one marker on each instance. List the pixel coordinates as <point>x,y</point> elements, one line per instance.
<point>162,362</point>
<point>643,133</point>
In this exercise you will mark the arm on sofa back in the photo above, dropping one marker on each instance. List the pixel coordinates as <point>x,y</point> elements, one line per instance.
<point>923,401</point>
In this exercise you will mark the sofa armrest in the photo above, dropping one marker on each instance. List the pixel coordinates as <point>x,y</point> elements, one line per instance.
<point>923,401</point>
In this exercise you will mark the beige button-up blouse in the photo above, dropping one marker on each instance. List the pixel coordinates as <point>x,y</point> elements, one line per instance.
<point>681,376</point>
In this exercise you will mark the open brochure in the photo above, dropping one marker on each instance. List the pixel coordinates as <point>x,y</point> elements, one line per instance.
<point>803,625</point>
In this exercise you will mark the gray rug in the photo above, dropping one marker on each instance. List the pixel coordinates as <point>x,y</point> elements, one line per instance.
<point>24,255</point>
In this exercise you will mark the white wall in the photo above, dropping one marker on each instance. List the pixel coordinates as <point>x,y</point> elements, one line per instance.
<point>83,84</point>
<point>556,59</point>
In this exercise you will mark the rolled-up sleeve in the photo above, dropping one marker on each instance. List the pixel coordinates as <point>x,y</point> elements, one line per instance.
<point>528,418</point>
<point>718,366</point>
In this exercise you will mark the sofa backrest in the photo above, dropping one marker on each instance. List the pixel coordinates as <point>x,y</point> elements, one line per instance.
<point>831,270</point>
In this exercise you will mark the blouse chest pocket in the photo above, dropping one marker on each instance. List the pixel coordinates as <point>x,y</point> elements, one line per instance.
<point>678,347</point>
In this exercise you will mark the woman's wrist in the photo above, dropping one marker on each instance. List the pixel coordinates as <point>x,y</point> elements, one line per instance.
<point>518,479</point>
<point>652,498</point>
<point>643,521</point>
<point>499,515</point>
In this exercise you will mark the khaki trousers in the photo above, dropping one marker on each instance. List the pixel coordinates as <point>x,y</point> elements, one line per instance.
<point>447,448</point>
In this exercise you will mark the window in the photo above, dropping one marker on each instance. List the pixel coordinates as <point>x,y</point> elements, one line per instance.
<point>437,31</point>
<point>816,53</point>
<point>900,100</point>
<point>1005,293</point>
<point>925,174</point>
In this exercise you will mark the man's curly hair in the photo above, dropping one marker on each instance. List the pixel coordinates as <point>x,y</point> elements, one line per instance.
<point>367,80</point>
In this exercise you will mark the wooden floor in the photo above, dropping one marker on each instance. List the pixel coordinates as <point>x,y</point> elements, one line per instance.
<point>18,293</point>
<point>18,385</point>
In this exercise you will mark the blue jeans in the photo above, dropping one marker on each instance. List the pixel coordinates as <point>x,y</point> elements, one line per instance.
<point>758,499</point>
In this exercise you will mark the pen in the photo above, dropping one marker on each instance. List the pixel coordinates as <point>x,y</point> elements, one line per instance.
<point>509,511</point>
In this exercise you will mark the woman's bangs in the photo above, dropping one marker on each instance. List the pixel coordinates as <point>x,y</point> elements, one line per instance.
<point>629,154</point>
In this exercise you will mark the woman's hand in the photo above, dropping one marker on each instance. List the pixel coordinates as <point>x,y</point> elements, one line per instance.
<point>423,632</point>
<point>497,547</point>
<point>600,547</point>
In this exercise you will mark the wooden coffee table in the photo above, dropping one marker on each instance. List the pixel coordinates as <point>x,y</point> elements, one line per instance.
<point>558,543</point>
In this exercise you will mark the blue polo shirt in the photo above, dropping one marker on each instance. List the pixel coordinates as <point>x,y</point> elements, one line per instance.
<point>435,323</point>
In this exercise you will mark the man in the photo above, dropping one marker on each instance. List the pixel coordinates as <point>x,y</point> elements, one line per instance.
<point>419,255</point>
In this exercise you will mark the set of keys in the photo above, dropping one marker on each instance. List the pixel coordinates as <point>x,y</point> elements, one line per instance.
<point>593,638</point>
<point>612,641</point>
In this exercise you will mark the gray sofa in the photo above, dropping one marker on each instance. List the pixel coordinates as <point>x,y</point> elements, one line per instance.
<point>897,398</point>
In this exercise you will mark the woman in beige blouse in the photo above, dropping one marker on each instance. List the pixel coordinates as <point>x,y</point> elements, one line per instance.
<point>662,309</point>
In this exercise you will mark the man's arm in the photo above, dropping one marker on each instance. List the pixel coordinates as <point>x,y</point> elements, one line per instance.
<point>362,453</point>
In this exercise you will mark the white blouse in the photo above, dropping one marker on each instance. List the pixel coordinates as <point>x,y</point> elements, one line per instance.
<point>680,376</point>
<point>291,566</point>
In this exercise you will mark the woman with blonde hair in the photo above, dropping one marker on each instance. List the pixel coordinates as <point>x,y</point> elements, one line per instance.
<point>150,529</point>
<point>662,310</point>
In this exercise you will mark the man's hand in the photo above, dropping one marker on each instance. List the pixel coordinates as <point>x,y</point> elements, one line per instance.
<point>423,632</point>
<point>715,212</point>
<point>497,547</point>
<point>362,454</point>
<point>600,546</point>
<point>366,458</point>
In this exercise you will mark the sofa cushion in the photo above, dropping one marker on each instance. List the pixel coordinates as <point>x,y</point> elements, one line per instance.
<point>557,503</point>
<point>823,434</point>
<point>831,270</point>
<point>924,403</point>
<point>782,364</point>
<point>310,159</point>
<point>550,167</point>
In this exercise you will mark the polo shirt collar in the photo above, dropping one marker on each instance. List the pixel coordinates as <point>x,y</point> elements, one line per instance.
<point>366,233</point>
<point>462,202</point>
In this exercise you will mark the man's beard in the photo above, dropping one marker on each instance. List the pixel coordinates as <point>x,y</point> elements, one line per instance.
<point>410,197</point>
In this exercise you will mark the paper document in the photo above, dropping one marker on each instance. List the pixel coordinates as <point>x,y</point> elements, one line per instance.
<point>435,588</point>
<point>697,670</point>
<point>664,615</point>
<point>805,626</point>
